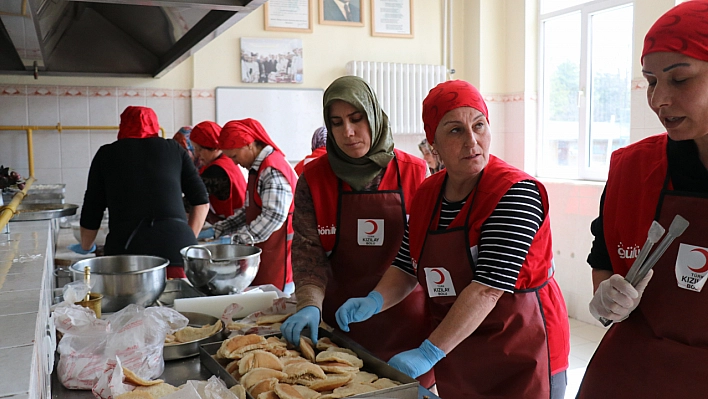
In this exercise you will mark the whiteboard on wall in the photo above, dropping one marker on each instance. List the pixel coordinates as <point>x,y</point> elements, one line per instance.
<point>290,116</point>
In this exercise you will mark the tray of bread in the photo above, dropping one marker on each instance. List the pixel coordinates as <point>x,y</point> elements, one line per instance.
<point>201,329</point>
<point>333,367</point>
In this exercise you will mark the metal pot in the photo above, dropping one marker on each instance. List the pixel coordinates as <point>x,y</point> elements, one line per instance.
<point>124,279</point>
<point>220,269</point>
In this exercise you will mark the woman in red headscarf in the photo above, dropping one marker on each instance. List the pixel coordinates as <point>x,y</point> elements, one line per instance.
<point>223,179</point>
<point>658,345</point>
<point>140,178</point>
<point>479,243</point>
<point>267,216</point>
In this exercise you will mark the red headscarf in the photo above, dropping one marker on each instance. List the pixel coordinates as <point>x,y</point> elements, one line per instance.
<point>444,98</point>
<point>683,29</point>
<point>206,134</point>
<point>138,123</point>
<point>240,133</point>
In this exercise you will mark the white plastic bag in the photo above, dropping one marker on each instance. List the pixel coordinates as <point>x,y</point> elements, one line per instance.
<point>134,335</point>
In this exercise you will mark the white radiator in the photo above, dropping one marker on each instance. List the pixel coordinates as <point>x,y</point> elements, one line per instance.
<point>400,89</point>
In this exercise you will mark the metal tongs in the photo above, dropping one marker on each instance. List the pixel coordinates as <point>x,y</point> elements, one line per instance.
<point>640,268</point>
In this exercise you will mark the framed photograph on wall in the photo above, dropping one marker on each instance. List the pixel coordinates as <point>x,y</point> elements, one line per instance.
<point>392,18</point>
<point>342,12</point>
<point>271,60</point>
<point>288,15</point>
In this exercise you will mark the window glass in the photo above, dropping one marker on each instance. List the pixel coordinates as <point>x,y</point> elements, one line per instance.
<point>611,77</point>
<point>561,72</point>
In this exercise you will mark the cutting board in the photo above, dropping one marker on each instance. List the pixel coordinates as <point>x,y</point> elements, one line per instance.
<point>215,305</point>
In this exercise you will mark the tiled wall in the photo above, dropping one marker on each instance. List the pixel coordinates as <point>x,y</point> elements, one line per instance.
<point>65,157</point>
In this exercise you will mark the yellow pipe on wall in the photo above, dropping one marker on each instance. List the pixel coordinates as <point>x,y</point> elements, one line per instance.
<point>30,129</point>
<point>9,210</point>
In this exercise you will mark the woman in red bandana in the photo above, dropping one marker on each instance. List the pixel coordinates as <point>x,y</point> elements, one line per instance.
<point>479,244</point>
<point>140,178</point>
<point>267,215</point>
<point>658,344</point>
<point>222,178</point>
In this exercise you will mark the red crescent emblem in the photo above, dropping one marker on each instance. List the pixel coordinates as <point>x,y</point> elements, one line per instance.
<point>442,276</point>
<point>374,230</point>
<point>705,261</point>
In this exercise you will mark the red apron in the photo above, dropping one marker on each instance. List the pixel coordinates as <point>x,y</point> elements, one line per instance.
<point>661,349</point>
<point>356,269</point>
<point>275,267</point>
<point>507,356</point>
<point>237,192</point>
<point>525,338</point>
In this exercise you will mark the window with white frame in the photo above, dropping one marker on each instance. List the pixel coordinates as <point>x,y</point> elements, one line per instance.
<point>585,83</point>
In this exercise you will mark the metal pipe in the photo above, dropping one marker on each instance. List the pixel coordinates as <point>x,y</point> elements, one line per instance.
<point>30,129</point>
<point>9,210</point>
<point>30,152</point>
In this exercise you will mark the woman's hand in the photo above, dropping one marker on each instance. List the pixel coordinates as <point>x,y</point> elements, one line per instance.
<point>417,361</point>
<point>309,316</point>
<point>355,310</point>
<point>615,297</point>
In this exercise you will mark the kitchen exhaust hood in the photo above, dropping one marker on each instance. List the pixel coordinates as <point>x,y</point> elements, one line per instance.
<point>136,38</point>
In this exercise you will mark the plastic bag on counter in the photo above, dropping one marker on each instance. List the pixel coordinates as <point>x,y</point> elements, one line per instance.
<point>214,388</point>
<point>135,335</point>
<point>257,323</point>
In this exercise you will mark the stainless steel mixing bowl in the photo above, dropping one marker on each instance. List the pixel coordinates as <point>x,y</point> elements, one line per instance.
<point>124,279</point>
<point>221,269</point>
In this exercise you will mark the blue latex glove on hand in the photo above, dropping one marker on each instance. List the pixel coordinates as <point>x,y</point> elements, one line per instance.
<point>355,310</point>
<point>309,316</point>
<point>207,233</point>
<point>77,248</point>
<point>416,362</point>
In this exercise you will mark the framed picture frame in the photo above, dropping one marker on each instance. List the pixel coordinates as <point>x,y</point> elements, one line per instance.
<point>342,12</point>
<point>288,15</point>
<point>266,60</point>
<point>392,18</point>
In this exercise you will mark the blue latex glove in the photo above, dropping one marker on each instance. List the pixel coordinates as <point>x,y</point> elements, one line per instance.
<point>77,248</point>
<point>417,361</point>
<point>355,310</point>
<point>309,316</point>
<point>204,234</point>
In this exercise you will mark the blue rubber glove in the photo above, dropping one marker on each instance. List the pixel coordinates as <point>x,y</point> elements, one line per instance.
<point>417,361</point>
<point>309,316</point>
<point>355,310</point>
<point>207,233</point>
<point>77,248</point>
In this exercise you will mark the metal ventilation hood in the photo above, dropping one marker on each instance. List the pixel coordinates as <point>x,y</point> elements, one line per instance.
<point>143,38</point>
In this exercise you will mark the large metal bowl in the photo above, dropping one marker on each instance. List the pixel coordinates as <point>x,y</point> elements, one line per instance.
<point>124,279</point>
<point>221,269</point>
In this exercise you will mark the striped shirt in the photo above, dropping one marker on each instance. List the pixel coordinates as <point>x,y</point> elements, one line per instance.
<point>504,240</point>
<point>276,194</point>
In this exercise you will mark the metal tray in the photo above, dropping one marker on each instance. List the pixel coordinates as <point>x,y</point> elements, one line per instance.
<point>174,289</point>
<point>189,349</point>
<point>27,212</point>
<point>409,388</point>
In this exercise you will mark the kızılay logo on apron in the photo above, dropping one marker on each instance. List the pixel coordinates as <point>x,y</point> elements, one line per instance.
<point>691,267</point>
<point>439,282</point>
<point>370,232</point>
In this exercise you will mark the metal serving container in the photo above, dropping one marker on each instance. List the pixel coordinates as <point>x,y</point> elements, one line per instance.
<point>124,279</point>
<point>43,211</point>
<point>189,349</point>
<point>409,388</point>
<point>221,269</point>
